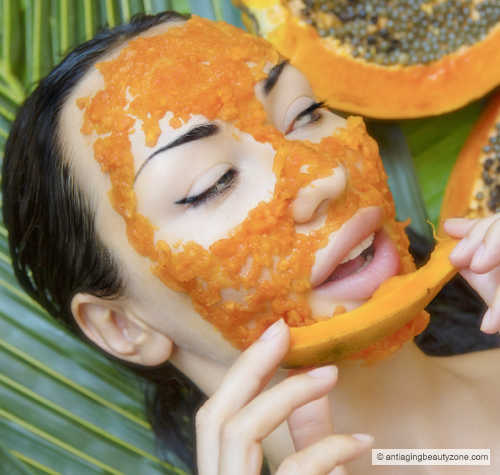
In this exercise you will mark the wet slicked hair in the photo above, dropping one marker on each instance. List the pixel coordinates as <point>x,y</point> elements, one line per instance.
<point>53,242</point>
<point>57,253</point>
<point>55,249</point>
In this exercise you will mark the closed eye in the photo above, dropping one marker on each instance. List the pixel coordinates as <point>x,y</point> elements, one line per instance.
<point>305,117</point>
<point>223,184</point>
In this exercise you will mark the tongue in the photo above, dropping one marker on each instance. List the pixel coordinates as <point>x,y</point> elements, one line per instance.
<point>362,284</point>
<point>349,267</point>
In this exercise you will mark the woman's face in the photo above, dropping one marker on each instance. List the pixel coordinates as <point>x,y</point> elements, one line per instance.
<point>232,206</point>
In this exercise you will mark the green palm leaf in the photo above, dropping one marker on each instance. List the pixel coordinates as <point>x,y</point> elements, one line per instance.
<point>435,143</point>
<point>64,408</point>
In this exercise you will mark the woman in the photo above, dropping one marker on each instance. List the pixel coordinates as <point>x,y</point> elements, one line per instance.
<point>176,152</point>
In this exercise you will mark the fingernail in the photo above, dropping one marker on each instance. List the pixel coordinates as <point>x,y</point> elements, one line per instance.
<point>479,256</point>
<point>449,222</point>
<point>274,330</point>
<point>487,323</point>
<point>364,437</point>
<point>325,372</point>
<point>456,220</point>
<point>450,225</point>
<point>458,249</point>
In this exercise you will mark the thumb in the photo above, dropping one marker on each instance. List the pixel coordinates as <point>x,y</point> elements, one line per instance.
<point>311,422</point>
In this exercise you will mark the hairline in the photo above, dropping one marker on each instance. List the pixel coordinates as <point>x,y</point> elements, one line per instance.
<point>64,148</point>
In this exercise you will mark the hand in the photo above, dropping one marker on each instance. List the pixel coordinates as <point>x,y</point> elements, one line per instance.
<point>477,256</point>
<point>232,423</point>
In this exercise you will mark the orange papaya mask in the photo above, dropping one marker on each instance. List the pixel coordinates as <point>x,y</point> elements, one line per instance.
<point>264,258</point>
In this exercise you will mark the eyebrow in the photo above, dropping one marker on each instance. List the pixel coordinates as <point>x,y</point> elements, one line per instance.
<point>273,76</point>
<point>197,133</point>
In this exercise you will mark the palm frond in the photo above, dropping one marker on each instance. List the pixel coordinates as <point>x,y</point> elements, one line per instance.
<point>435,144</point>
<point>64,407</point>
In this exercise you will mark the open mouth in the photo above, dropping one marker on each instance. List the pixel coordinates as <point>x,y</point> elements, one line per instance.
<point>357,259</point>
<point>363,270</point>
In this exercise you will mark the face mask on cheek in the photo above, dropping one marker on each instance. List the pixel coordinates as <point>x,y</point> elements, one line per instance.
<point>261,271</point>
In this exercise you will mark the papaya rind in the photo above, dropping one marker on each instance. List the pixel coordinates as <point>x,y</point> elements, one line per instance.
<point>395,303</point>
<point>467,168</point>
<point>386,92</point>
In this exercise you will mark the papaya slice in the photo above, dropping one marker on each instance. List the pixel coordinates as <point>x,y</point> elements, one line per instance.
<point>386,58</point>
<point>473,189</point>
<point>395,303</point>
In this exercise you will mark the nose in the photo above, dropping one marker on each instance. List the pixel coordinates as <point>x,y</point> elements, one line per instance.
<point>315,198</point>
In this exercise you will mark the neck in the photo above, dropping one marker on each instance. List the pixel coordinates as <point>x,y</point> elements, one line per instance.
<point>207,374</point>
<point>406,362</point>
<point>362,392</point>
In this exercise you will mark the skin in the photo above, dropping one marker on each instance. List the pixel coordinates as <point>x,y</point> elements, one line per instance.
<point>254,405</point>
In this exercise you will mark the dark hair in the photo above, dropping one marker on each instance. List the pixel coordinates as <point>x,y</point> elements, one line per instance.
<point>456,313</point>
<point>55,249</point>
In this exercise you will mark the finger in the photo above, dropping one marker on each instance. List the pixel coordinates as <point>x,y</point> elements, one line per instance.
<point>267,411</point>
<point>310,423</point>
<point>324,455</point>
<point>487,256</point>
<point>255,459</point>
<point>459,227</point>
<point>251,371</point>
<point>339,470</point>
<point>491,319</point>
<point>462,254</point>
<point>484,284</point>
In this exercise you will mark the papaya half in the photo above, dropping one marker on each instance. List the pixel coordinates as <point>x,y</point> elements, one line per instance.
<point>395,304</point>
<point>473,189</point>
<point>386,58</point>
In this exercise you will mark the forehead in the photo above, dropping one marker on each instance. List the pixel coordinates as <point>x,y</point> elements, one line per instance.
<point>93,80</point>
<point>193,67</point>
<point>71,116</point>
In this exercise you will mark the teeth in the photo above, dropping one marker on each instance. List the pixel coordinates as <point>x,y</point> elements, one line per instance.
<point>356,251</point>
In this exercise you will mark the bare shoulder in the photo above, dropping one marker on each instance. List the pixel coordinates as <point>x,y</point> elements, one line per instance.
<point>477,365</point>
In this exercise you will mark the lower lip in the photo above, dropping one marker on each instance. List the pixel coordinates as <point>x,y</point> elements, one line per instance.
<point>362,284</point>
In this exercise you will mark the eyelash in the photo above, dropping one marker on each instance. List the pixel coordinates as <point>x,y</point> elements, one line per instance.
<point>226,181</point>
<point>223,184</point>
<point>311,111</point>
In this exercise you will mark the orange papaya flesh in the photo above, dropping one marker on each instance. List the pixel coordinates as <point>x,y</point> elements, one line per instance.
<point>473,189</point>
<point>394,304</point>
<point>340,74</point>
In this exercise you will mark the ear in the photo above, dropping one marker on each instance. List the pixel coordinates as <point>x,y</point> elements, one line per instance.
<point>115,329</point>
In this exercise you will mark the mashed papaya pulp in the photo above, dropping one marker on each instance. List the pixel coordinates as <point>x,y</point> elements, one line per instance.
<point>264,258</point>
